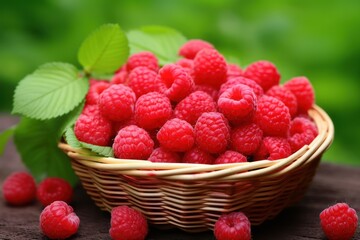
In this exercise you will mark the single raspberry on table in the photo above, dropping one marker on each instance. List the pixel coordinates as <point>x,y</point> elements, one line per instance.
<point>302,132</point>
<point>96,88</point>
<point>242,80</point>
<point>210,68</point>
<point>286,96</point>
<point>54,189</point>
<point>143,80</point>
<point>19,188</point>
<point>117,102</point>
<point>176,135</point>
<point>196,155</point>
<point>58,221</point>
<point>273,148</point>
<point>212,132</point>
<point>191,107</point>
<point>152,110</point>
<point>339,222</point>
<point>178,83</point>
<point>164,155</point>
<point>230,157</point>
<point>234,70</point>
<point>234,226</point>
<point>127,224</point>
<point>133,142</point>
<point>272,116</point>
<point>192,47</point>
<point>303,91</point>
<point>246,139</point>
<point>263,73</point>
<point>142,59</point>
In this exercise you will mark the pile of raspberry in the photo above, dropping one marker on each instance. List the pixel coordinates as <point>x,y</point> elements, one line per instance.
<point>199,109</point>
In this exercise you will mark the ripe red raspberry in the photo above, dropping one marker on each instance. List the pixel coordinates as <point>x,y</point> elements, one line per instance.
<point>192,47</point>
<point>246,139</point>
<point>273,148</point>
<point>302,131</point>
<point>207,89</point>
<point>234,226</point>
<point>234,70</point>
<point>117,126</point>
<point>241,80</point>
<point>303,91</point>
<point>133,142</point>
<point>196,155</point>
<point>230,157</point>
<point>96,88</point>
<point>263,73</point>
<point>127,224</point>
<point>212,132</point>
<point>191,107</point>
<point>120,78</point>
<point>210,68</point>
<point>142,59</point>
<point>54,189</point>
<point>117,102</point>
<point>238,104</point>
<point>178,83</point>
<point>272,116</point>
<point>161,154</point>
<point>152,110</point>
<point>176,135</point>
<point>187,64</point>
<point>339,222</point>
<point>142,80</point>
<point>19,188</point>
<point>91,127</point>
<point>58,221</point>
<point>286,96</point>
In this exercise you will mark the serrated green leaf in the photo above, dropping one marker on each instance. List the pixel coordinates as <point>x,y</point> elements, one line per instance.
<point>53,90</point>
<point>105,50</point>
<point>100,150</point>
<point>4,138</point>
<point>164,42</point>
<point>71,138</point>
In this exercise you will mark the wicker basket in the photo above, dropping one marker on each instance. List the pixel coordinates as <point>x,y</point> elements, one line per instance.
<point>193,196</point>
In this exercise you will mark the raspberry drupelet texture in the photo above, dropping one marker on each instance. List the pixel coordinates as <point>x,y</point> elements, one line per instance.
<point>234,226</point>
<point>212,132</point>
<point>241,80</point>
<point>96,88</point>
<point>133,142</point>
<point>196,155</point>
<point>303,91</point>
<point>234,70</point>
<point>127,224</point>
<point>176,135</point>
<point>192,47</point>
<point>286,96</point>
<point>210,68</point>
<point>208,89</point>
<point>230,157</point>
<point>238,104</point>
<point>246,139</point>
<point>54,189</point>
<point>302,132</point>
<point>120,78</point>
<point>143,80</point>
<point>161,154</point>
<point>19,188</point>
<point>58,221</point>
<point>339,222</point>
<point>272,116</point>
<point>152,110</point>
<point>263,73</point>
<point>273,148</point>
<point>178,83</point>
<point>142,59</point>
<point>117,102</point>
<point>191,107</point>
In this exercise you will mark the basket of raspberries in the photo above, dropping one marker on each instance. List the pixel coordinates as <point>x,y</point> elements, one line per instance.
<point>198,138</point>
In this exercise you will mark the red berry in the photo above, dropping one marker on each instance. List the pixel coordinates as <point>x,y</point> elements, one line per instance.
<point>234,70</point>
<point>127,224</point>
<point>210,68</point>
<point>241,80</point>
<point>117,102</point>
<point>272,116</point>
<point>339,222</point>
<point>152,110</point>
<point>58,221</point>
<point>176,135</point>
<point>54,189</point>
<point>133,142</point>
<point>230,157</point>
<point>163,155</point>
<point>142,59</point>
<point>19,188</point>
<point>192,47</point>
<point>303,91</point>
<point>246,139</point>
<point>96,88</point>
<point>187,64</point>
<point>213,92</point>
<point>234,226</point>
<point>196,155</point>
<point>142,80</point>
<point>273,148</point>
<point>264,73</point>
<point>286,96</point>
<point>120,78</point>
<point>302,132</point>
<point>212,132</point>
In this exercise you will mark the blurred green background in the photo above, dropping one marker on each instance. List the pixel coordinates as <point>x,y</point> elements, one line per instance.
<point>318,39</point>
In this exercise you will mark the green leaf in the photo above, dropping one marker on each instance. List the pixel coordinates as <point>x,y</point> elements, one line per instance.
<point>164,42</point>
<point>54,89</point>
<point>100,150</point>
<point>105,50</point>
<point>71,138</point>
<point>4,138</point>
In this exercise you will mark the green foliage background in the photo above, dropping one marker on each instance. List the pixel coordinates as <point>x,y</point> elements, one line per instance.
<point>319,39</point>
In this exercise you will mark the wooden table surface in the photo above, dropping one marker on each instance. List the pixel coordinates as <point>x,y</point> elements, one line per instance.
<point>332,184</point>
